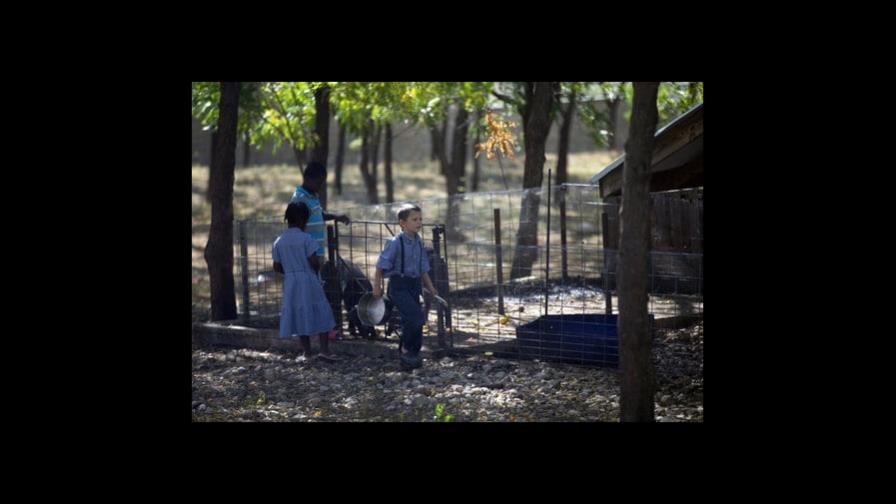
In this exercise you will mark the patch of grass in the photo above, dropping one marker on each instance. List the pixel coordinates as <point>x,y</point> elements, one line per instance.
<point>441,414</point>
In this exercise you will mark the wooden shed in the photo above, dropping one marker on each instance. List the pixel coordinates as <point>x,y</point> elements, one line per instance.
<point>676,186</point>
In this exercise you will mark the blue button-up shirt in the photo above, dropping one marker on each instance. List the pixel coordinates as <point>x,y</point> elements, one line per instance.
<point>415,261</point>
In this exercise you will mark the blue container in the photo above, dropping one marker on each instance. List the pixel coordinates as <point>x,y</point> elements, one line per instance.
<point>591,339</point>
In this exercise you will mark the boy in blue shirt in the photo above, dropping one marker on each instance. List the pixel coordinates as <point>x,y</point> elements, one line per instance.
<point>313,178</point>
<point>404,262</point>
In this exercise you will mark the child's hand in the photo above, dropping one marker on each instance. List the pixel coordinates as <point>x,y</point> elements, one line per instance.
<point>433,291</point>
<point>377,292</point>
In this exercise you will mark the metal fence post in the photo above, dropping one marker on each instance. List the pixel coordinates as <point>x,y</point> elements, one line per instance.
<point>547,248</point>
<point>334,292</point>
<point>434,268</point>
<point>499,266</point>
<point>244,268</point>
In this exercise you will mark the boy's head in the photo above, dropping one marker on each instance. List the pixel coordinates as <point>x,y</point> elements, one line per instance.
<point>297,215</point>
<point>410,217</point>
<point>314,176</point>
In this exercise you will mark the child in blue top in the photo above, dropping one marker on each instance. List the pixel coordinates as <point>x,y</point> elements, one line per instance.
<point>305,308</point>
<point>404,262</point>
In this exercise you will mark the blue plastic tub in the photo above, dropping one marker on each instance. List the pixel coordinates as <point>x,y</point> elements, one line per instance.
<point>590,339</point>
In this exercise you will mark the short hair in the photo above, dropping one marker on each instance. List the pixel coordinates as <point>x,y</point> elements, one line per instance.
<point>315,170</point>
<point>405,210</point>
<point>297,213</point>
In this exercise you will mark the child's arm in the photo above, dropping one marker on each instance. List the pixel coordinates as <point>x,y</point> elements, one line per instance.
<point>377,282</point>
<point>336,217</point>
<point>314,261</point>
<point>429,286</point>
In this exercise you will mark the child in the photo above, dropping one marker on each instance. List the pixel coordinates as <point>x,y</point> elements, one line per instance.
<point>305,308</point>
<point>404,263</point>
<point>314,180</point>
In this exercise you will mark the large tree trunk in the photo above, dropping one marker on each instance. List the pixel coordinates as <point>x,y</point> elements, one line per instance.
<point>219,249</point>
<point>340,156</point>
<point>536,127</point>
<point>387,159</point>
<point>321,149</point>
<point>441,153</point>
<point>635,338</point>
<point>455,174</point>
<point>476,159</point>
<point>369,182</point>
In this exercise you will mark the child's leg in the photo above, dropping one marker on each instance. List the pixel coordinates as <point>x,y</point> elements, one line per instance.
<point>406,298</point>
<point>306,345</point>
<point>324,343</point>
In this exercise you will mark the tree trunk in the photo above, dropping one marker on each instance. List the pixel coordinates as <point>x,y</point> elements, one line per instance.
<point>459,150</point>
<point>476,159</point>
<point>246,150</point>
<point>301,157</point>
<point>387,159</point>
<point>378,133</point>
<point>211,162</point>
<point>563,143</point>
<point>443,139</point>
<point>455,174</point>
<point>369,183</point>
<point>340,156</point>
<point>433,133</point>
<point>441,154</point>
<point>219,249</point>
<point>613,111</point>
<point>321,150</point>
<point>537,125</point>
<point>635,338</point>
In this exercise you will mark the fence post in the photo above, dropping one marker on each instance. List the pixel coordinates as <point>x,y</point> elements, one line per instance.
<point>605,234</point>
<point>499,261</point>
<point>334,294</point>
<point>244,268</point>
<point>434,269</point>
<point>547,248</point>
<point>564,265</point>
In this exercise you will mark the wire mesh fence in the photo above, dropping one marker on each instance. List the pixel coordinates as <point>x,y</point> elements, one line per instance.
<point>512,263</point>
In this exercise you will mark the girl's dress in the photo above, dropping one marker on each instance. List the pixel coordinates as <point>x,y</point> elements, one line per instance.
<point>306,311</point>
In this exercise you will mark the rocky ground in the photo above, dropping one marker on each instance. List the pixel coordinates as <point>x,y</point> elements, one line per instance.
<point>247,385</point>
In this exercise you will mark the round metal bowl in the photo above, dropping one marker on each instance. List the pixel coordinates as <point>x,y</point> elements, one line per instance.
<point>371,311</point>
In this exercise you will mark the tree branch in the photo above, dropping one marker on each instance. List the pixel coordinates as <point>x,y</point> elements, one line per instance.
<point>505,98</point>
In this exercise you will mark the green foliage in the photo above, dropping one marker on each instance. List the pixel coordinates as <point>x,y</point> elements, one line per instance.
<point>441,415</point>
<point>205,105</point>
<point>675,98</point>
<point>596,117</point>
<point>279,112</point>
<point>288,114</point>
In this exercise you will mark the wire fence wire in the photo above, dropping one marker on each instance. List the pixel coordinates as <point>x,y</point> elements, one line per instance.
<point>572,274</point>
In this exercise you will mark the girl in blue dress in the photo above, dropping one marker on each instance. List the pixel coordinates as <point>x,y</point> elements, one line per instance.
<point>305,307</point>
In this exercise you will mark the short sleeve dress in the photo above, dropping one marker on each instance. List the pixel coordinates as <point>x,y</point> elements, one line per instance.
<point>306,311</point>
